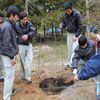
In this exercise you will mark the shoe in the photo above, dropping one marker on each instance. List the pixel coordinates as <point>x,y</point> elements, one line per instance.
<point>14,91</point>
<point>23,78</point>
<point>2,80</point>
<point>28,82</point>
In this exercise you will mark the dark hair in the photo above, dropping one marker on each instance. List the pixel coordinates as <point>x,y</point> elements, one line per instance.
<point>82,40</point>
<point>1,14</point>
<point>68,5</point>
<point>23,14</point>
<point>12,10</point>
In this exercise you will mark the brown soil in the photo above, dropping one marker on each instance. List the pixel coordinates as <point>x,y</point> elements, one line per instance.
<point>33,92</point>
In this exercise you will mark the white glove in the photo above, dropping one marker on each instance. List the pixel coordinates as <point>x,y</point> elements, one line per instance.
<point>76,77</point>
<point>61,25</point>
<point>75,71</point>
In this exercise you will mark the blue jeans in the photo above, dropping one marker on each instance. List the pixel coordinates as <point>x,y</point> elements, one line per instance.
<point>26,57</point>
<point>9,75</point>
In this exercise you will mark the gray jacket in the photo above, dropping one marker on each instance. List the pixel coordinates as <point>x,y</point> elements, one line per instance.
<point>8,44</point>
<point>73,23</point>
<point>83,54</point>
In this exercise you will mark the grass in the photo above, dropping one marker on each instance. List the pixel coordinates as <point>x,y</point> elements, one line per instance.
<point>52,54</point>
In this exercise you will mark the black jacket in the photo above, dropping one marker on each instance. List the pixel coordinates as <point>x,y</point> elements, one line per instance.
<point>21,30</point>
<point>73,23</point>
<point>8,44</point>
<point>83,54</point>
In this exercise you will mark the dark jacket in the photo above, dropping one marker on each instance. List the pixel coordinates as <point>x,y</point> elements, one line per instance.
<point>73,23</point>
<point>91,68</point>
<point>83,54</point>
<point>8,44</point>
<point>22,30</point>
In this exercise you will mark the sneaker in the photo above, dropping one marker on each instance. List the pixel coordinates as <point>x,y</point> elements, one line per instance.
<point>28,82</point>
<point>14,91</point>
<point>23,78</point>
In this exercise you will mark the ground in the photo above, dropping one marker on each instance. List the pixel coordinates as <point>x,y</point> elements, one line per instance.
<point>48,62</point>
<point>79,91</point>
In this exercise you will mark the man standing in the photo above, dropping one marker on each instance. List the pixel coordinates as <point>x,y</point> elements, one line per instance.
<point>25,32</point>
<point>1,65</point>
<point>72,22</point>
<point>9,50</point>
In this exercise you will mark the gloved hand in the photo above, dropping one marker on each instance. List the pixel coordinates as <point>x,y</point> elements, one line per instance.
<point>75,71</point>
<point>75,38</point>
<point>61,25</point>
<point>76,78</point>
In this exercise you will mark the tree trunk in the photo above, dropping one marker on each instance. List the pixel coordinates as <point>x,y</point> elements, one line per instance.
<point>26,6</point>
<point>87,11</point>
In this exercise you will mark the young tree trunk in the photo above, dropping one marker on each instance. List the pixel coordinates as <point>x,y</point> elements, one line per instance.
<point>87,11</point>
<point>26,6</point>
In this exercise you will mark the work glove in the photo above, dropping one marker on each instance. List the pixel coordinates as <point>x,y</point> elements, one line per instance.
<point>61,25</point>
<point>75,71</point>
<point>76,78</point>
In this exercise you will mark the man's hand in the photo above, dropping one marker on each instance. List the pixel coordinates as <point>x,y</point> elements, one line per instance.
<point>24,37</point>
<point>13,61</point>
<point>61,25</point>
<point>76,78</point>
<point>16,57</point>
<point>75,71</point>
<point>74,38</point>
